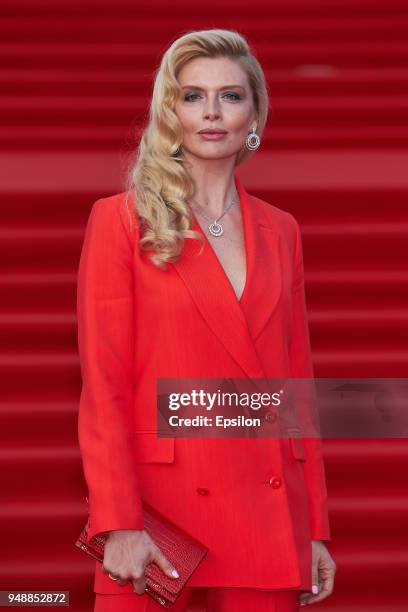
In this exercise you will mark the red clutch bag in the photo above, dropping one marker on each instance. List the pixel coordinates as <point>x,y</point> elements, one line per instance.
<point>181,549</point>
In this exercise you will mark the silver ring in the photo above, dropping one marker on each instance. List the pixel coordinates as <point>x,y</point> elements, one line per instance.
<point>112,577</point>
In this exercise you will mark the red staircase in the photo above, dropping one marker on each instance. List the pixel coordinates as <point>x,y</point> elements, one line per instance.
<point>76,80</point>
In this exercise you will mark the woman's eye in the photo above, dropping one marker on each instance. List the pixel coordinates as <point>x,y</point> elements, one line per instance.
<point>191,96</point>
<point>188,97</point>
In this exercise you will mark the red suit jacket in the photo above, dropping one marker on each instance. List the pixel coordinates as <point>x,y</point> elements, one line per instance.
<point>255,503</point>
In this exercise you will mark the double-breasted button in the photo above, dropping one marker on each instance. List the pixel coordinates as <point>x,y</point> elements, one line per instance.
<point>274,482</point>
<point>270,417</point>
<point>202,491</point>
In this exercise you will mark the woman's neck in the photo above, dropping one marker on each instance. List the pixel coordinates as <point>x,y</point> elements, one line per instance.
<point>214,190</point>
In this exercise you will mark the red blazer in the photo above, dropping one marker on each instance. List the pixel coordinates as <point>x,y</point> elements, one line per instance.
<point>256,503</point>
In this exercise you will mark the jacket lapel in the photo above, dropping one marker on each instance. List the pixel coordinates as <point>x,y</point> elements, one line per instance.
<point>236,323</point>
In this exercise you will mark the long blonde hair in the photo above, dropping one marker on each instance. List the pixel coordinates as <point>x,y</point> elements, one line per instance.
<point>158,179</point>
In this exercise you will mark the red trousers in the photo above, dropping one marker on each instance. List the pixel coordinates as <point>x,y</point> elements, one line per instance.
<point>202,599</point>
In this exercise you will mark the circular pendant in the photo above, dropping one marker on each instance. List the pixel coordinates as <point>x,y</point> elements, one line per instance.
<point>216,229</point>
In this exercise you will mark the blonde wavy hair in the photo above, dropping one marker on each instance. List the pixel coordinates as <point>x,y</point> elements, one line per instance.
<point>158,178</point>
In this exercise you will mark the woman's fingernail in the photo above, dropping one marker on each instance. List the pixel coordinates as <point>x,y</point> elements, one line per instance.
<point>315,589</point>
<point>175,573</point>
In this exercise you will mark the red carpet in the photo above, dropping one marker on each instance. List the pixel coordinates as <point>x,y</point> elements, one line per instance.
<point>76,80</point>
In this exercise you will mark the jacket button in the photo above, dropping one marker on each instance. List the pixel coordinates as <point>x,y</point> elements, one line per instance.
<point>202,491</point>
<point>274,482</point>
<point>271,417</point>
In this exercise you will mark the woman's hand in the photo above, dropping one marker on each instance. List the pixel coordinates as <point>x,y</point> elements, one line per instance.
<point>323,570</point>
<point>127,552</point>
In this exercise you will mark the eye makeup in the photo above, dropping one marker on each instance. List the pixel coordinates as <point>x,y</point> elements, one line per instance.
<point>235,96</point>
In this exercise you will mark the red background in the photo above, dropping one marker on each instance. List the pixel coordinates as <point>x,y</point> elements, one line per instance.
<point>76,79</point>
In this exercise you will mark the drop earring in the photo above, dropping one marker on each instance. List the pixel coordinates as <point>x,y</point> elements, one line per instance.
<point>252,141</point>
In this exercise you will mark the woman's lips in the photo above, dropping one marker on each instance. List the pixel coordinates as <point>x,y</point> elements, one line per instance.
<point>213,135</point>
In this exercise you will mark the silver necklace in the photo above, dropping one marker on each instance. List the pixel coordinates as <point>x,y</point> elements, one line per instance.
<point>215,228</point>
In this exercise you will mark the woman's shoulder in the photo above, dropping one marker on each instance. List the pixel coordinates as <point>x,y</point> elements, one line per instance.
<point>115,207</point>
<point>271,215</point>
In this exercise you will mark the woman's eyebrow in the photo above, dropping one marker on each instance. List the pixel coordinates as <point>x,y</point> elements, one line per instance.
<point>202,89</point>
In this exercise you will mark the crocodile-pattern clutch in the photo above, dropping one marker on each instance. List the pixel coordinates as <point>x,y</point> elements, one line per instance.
<point>181,549</point>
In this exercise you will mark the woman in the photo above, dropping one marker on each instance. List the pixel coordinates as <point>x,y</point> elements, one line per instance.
<point>186,275</point>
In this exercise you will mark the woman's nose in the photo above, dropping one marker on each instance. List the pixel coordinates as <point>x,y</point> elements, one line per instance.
<point>211,110</point>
